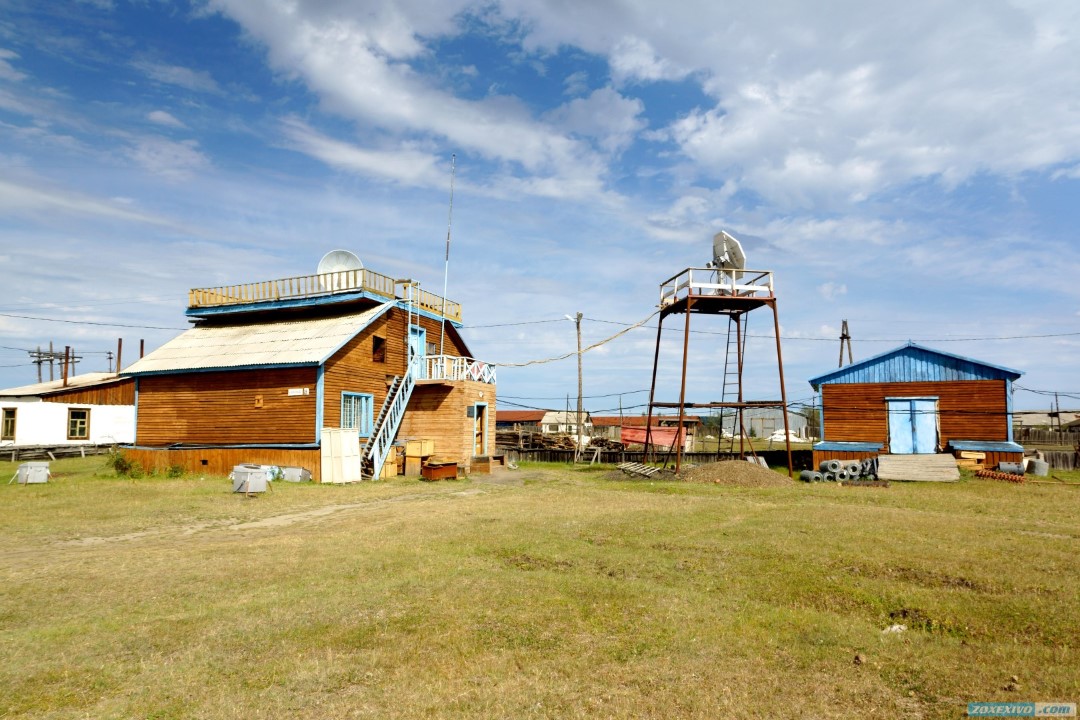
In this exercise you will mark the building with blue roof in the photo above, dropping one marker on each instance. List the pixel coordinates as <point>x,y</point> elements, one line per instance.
<point>917,400</point>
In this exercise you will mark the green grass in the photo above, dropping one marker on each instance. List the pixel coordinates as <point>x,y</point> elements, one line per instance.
<point>560,593</point>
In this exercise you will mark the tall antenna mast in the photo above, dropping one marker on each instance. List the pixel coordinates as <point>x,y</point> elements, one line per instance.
<point>845,340</point>
<point>446,267</point>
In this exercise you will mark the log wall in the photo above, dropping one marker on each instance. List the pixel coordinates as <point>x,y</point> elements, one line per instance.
<point>221,461</point>
<point>227,408</point>
<point>440,413</point>
<point>121,392</point>
<point>353,369</point>
<point>967,410</point>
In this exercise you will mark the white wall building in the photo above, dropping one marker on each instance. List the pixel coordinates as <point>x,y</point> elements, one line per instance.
<point>88,409</point>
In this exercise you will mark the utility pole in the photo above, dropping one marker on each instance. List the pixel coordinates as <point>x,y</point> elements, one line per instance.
<point>577,322</point>
<point>845,338</point>
<point>580,417</point>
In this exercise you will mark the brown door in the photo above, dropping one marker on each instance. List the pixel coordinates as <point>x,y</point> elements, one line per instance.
<point>480,431</point>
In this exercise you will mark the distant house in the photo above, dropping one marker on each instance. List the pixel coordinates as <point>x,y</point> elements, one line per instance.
<point>630,429</point>
<point>312,372</point>
<point>88,409</point>
<point>916,400</point>
<point>527,420</point>
<point>549,422</point>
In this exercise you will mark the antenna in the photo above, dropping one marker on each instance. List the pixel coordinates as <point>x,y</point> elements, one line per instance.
<point>728,257</point>
<point>845,338</point>
<point>334,269</point>
<point>446,266</point>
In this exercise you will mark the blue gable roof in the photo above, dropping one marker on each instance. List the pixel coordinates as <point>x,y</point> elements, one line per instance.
<point>915,363</point>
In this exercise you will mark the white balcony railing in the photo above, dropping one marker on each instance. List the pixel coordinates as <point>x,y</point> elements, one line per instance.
<point>710,281</point>
<point>448,367</point>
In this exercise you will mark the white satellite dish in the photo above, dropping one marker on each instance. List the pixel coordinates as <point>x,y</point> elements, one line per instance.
<point>728,258</point>
<point>727,252</point>
<point>333,270</point>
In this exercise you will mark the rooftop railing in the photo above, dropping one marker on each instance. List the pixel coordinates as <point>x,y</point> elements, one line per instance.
<point>711,281</point>
<point>313,286</point>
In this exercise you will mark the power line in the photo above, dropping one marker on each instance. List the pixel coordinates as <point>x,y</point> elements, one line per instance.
<point>587,397</point>
<point>89,322</point>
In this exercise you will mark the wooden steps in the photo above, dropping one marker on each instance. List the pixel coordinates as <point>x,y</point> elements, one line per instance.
<point>918,468</point>
<point>633,468</point>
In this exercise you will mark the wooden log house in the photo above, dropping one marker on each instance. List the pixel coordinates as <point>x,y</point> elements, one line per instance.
<point>916,400</point>
<point>270,367</point>
<point>91,409</point>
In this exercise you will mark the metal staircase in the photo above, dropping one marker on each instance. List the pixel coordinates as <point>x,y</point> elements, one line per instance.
<point>373,455</point>
<point>384,430</point>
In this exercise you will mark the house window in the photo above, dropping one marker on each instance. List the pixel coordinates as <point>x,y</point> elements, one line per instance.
<point>78,424</point>
<point>378,349</point>
<point>431,349</point>
<point>7,425</point>
<point>357,412</point>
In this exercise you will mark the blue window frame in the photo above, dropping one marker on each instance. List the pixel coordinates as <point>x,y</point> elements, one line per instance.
<point>357,412</point>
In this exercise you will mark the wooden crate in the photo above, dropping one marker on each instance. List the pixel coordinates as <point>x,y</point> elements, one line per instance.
<point>419,448</point>
<point>390,467</point>
<point>439,471</point>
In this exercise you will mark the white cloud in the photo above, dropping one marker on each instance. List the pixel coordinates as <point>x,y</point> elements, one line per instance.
<point>633,58</point>
<point>835,104</point>
<point>18,199</point>
<point>169,159</point>
<point>577,83</point>
<point>352,62</point>
<point>194,80</point>
<point>831,290</point>
<point>605,116</point>
<point>405,165</point>
<point>163,118</point>
<point>7,72</point>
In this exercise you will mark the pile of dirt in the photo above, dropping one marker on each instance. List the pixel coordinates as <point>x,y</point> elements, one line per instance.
<point>735,472</point>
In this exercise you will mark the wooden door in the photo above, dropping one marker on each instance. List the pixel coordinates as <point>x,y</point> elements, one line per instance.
<point>912,425</point>
<point>480,430</point>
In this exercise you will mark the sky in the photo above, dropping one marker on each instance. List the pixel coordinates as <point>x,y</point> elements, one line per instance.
<point>912,168</point>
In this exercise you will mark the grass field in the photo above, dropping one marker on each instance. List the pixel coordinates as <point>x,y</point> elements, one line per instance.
<point>546,592</point>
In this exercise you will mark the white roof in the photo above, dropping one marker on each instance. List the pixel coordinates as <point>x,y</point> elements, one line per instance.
<point>74,382</point>
<point>297,342</point>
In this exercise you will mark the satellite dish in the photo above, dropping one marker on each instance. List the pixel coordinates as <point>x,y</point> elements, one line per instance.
<point>727,252</point>
<point>728,257</point>
<point>335,266</point>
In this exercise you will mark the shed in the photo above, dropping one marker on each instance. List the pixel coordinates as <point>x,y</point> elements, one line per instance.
<point>81,410</point>
<point>917,400</point>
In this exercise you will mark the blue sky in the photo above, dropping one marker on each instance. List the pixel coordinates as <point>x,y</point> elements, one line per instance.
<point>912,168</point>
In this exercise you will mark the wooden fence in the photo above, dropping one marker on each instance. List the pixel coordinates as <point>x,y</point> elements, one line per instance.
<point>1062,460</point>
<point>1034,436</point>
<point>801,459</point>
<point>52,452</point>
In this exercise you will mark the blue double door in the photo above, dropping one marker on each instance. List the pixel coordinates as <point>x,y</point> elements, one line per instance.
<point>913,426</point>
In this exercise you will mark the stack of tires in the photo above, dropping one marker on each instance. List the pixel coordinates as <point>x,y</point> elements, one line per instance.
<point>841,470</point>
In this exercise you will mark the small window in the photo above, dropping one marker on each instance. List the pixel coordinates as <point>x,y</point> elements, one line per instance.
<point>378,349</point>
<point>432,349</point>
<point>7,426</point>
<point>79,424</point>
<point>357,412</point>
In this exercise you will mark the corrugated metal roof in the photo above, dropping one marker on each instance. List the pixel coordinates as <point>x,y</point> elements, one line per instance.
<point>519,415</point>
<point>75,382</point>
<point>915,363</point>
<point>299,342</point>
